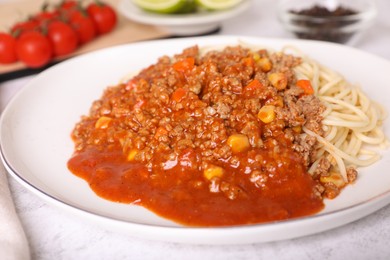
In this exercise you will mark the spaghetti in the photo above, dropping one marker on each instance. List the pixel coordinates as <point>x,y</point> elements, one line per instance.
<point>352,122</point>
<point>227,136</point>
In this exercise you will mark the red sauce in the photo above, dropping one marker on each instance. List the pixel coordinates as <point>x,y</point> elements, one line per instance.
<point>177,138</point>
<point>182,195</point>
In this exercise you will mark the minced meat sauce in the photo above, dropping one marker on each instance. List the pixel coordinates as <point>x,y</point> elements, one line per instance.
<point>205,140</point>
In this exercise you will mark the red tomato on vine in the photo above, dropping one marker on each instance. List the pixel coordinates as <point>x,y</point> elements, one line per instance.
<point>83,25</point>
<point>103,15</point>
<point>63,38</point>
<point>7,48</point>
<point>34,49</point>
<point>25,26</point>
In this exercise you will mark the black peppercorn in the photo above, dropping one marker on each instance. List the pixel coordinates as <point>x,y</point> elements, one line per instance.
<point>323,29</point>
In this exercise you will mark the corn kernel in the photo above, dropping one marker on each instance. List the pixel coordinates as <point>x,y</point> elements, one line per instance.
<point>266,114</point>
<point>278,80</point>
<point>335,178</point>
<point>256,56</point>
<point>297,129</point>
<point>265,64</point>
<point>103,122</point>
<point>238,143</point>
<point>132,154</point>
<point>213,171</point>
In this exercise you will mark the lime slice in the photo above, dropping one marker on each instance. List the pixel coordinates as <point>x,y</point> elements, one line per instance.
<point>164,6</point>
<point>218,4</point>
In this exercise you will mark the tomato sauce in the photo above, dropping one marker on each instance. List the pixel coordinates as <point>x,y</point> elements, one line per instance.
<point>189,139</point>
<point>183,196</point>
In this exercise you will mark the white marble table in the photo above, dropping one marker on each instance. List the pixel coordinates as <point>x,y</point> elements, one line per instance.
<point>54,234</point>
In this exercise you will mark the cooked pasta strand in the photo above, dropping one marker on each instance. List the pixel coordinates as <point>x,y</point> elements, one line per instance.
<point>352,122</point>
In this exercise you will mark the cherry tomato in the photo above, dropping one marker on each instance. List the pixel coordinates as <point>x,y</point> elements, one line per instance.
<point>63,38</point>
<point>67,8</point>
<point>68,5</point>
<point>83,25</point>
<point>25,26</point>
<point>34,49</point>
<point>7,48</point>
<point>103,15</point>
<point>45,17</point>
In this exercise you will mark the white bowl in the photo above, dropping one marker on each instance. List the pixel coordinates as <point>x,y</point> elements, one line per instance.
<point>182,24</point>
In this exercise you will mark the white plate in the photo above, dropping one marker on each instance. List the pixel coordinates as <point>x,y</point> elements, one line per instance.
<point>36,125</point>
<point>182,24</point>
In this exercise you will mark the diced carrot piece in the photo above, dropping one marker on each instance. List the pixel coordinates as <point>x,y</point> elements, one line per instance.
<point>178,94</point>
<point>253,85</point>
<point>184,65</point>
<point>306,86</point>
<point>249,62</point>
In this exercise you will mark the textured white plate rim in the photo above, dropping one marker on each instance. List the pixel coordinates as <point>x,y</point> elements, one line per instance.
<point>225,235</point>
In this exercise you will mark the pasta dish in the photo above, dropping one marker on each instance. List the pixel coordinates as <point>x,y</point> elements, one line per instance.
<point>228,136</point>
